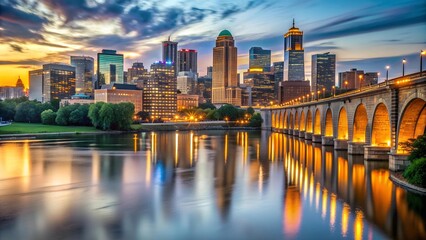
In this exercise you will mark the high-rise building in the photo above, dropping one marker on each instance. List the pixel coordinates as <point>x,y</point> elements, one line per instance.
<point>210,72</point>
<point>351,79</point>
<point>36,85</point>
<point>290,90</point>
<point>225,88</point>
<point>370,78</point>
<point>294,66</point>
<point>159,97</point>
<point>261,86</point>
<point>278,76</point>
<point>84,70</point>
<point>323,71</point>
<point>170,53</point>
<point>187,60</point>
<point>110,68</point>
<point>58,81</point>
<point>186,82</point>
<point>137,74</point>
<point>260,58</point>
<point>204,88</point>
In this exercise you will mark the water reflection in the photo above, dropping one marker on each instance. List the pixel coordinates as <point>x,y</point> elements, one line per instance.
<point>195,184</point>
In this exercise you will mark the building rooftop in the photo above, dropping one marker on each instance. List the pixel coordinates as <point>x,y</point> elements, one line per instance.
<point>120,86</point>
<point>225,33</point>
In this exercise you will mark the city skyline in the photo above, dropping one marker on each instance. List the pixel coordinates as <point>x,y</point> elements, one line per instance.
<point>365,35</point>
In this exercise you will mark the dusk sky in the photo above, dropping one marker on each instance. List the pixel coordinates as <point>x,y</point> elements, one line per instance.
<point>363,34</point>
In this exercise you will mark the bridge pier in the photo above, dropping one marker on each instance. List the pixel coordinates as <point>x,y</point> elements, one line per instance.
<point>285,131</point>
<point>340,144</point>
<point>296,133</point>
<point>356,148</point>
<point>308,136</point>
<point>317,138</point>
<point>327,141</point>
<point>398,162</point>
<point>376,153</point>
<point>302,134</point>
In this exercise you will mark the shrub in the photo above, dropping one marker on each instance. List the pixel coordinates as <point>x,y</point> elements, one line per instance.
<point>256,120</point>
<point>416,172</point>
<point>418,148</point>
<point>48,117</point>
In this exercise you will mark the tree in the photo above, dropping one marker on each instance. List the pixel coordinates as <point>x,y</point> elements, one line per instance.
<point>229,112</point>
<point>143,115</point>
<point>27,112</point>
<point>418,148</point>
<point>256,120</point>
<point>79,116</point>
<point>48,117</point>
<point>207,105</point>
<point>250,111</point>
<point>123,115</point>
<point>106,115</point>
<point>63,115</point>
<point>7,110</point>
<point>55,104</point>
<point>94,114</point>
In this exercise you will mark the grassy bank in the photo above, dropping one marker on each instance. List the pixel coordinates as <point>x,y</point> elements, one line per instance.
<point>22,128</point>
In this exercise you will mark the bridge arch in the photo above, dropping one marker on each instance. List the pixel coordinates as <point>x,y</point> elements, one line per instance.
<point>302,125</point>
<point>412,122</point>
<point>360,124</point>
<point>317,122</point>
<point>342,126</point>
<point>296,121</point>
<point>273,119</point>
<point>291,120</point>
<point>381,127</point>
<point>285,120</point>
<point>309,121</point>
<point>328,123</point>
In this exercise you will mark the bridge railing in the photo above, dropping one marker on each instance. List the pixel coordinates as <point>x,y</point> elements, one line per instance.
<point>384,84</point>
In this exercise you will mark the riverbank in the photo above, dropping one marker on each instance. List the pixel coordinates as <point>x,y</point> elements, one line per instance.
<point>33,130</point>
<point>398,179</point>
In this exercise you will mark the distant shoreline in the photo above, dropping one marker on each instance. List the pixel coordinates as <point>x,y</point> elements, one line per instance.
<point>147,127</point>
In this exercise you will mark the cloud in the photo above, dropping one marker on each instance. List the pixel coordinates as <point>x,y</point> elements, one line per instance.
<point>22,62</point>
<point>16,47</point>
<point>360,22</point>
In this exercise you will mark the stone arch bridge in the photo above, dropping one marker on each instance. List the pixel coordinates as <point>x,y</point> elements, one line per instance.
<point>373,121</point>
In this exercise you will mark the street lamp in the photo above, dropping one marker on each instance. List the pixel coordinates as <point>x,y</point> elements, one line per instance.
<point>323,91</point>
<point>346,85</point>
<point>387,73</point>
<point>422,53</point>
<point>334,90</point>
<point>318,94</point>
<point>360,81</point>
<point>403,66</point>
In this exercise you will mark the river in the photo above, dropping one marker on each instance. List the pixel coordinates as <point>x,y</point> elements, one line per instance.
<point>198,185</point>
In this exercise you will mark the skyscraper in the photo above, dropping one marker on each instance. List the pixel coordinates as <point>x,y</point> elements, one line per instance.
<point>225,88</point>
<point>210,72</point>
<point>170,53</point>
<point>278,76</point>
<point>186,82</point>
<point>323,71</point>
<point>187,60</point>
<point>137,74</point>
<point>36,85</point>
<point>110,68</point>
<point>159,97</point>
<point>294,66</point>
<point>260,58</point>
<point>58,81</point>
<point>84,67</point>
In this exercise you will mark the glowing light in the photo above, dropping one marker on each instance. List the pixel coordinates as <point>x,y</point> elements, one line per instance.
<point>345,219</point>
<point>359,225</point>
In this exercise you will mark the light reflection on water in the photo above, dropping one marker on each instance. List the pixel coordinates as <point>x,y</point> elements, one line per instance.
<point>205,185</point>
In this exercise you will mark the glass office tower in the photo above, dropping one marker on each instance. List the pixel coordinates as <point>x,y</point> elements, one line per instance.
<point>84,67</point>
<point>260,59</point>
<point>110,68</point>
<point>294,65</point>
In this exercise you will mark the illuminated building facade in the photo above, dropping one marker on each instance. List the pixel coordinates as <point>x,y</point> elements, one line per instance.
<point>260,58</point>
<point>370,78</point>
<point>170,53</point>
<point>160,91</point>
<point>187,60</point>
<point>261,86</point>
<point>289,90</point>
<point>351,79</point>
<point>278,76</point>
<point>323,71</point>
<point>186,101</point>
<point>118,93</point>
<point>110,68</point>
<point>204,88</point>
<point>186,82</point>
<point>84,70</point>
<point>137,74</point>
<point>294,65</point>
<point>225,88</point>
<point>58,81</point>
<point>9,92</point>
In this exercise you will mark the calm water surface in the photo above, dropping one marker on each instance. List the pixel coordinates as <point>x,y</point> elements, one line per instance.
<point>198,185</point>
